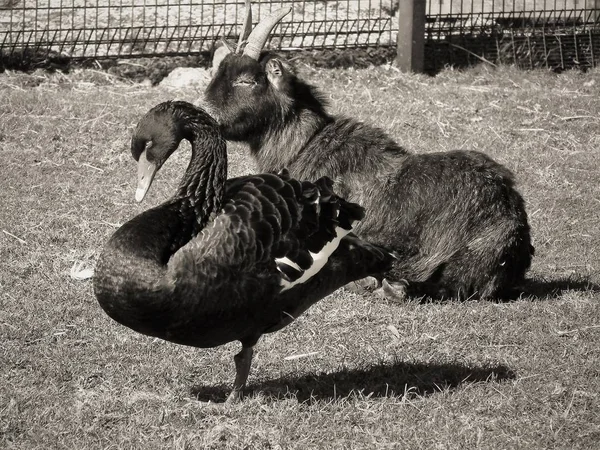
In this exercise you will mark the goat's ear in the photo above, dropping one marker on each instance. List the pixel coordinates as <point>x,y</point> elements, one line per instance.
<point>223,48</point>
<point>275,72</point>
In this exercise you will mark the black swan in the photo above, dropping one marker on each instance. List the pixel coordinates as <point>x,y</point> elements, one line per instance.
<point>225,260</point>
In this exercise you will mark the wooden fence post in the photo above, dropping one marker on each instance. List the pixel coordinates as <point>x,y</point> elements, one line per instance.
<point>411,35</point>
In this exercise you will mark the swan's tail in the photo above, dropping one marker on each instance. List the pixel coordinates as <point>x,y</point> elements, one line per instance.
<point>326,220</point>
<point>357,258</point>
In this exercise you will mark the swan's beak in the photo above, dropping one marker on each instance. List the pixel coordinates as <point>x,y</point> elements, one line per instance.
<point>146,172</point>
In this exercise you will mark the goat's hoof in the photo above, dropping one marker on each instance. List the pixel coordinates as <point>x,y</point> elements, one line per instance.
<point>368,284</point>
<point>396,291</point>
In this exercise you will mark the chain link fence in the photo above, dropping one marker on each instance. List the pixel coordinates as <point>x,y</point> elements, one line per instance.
<point>555,34</point>
<point>552,33</point>
<point>125,28</point>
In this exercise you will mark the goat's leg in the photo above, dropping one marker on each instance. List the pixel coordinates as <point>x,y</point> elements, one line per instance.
<point>367,284</point>
<point>396,291</point>
<point>243,360</point>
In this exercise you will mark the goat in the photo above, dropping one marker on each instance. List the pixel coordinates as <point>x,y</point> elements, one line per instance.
<point>454,217</point>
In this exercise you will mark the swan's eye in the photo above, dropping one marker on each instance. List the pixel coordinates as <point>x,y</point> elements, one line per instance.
<point>148,145</point>
<point>245,80</point>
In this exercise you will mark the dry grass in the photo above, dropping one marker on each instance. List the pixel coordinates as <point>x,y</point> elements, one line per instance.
<point>354,372</point>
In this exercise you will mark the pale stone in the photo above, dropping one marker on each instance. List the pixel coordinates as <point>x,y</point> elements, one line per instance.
<point>186,77</point>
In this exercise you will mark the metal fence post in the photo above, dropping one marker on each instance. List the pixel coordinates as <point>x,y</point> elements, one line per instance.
<point>411,35</point>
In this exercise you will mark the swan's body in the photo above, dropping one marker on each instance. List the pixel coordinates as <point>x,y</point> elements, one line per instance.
<point>225,260</point>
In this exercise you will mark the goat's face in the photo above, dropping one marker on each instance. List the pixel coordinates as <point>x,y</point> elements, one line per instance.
<point>247,97</point>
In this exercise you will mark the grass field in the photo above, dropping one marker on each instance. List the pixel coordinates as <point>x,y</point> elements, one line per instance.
<point>353,372</point>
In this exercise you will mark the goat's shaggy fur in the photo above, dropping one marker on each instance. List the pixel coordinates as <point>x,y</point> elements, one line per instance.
<point>455,217</point>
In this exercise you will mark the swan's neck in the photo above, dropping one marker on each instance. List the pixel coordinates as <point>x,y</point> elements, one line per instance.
<point>202,186</point>
<point>132,281</point>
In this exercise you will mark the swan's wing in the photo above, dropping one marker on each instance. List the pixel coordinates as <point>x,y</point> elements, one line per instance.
<point>273,225</point>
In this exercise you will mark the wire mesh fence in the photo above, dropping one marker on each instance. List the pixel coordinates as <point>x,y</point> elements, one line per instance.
<point>171,27</point>
<point>463,16</point>
<point>534,30</point>
<point>556,34</point>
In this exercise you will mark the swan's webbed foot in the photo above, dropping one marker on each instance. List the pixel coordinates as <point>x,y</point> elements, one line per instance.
<point>235,396</point>
<point>367,284</point>
<point>396,291</point>
<point>243,360</point>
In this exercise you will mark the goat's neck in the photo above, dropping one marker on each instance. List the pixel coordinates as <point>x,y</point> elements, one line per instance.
<point>280,145</point>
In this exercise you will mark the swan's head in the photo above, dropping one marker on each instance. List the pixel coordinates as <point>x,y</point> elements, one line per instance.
<point>159,133</point>
<point>154,139</point>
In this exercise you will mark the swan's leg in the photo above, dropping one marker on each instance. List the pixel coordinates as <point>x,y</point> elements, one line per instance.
<point>242,368</point>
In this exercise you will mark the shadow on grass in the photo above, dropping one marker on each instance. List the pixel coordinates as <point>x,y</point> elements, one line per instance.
<point>540,289</point>
<point>378,381</point>
<point>535,289</point>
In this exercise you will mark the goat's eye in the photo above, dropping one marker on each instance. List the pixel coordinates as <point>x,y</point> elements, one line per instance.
<point>244,81</point>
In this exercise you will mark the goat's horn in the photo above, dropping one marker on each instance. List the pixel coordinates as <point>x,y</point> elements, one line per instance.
<point>246,27</point>
<point>260,34</point>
